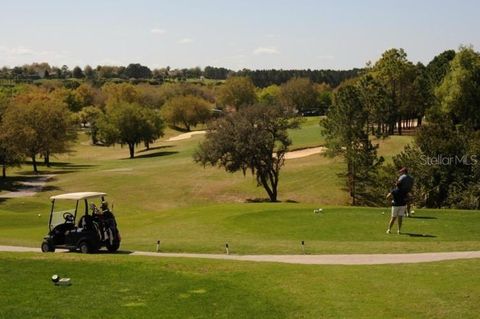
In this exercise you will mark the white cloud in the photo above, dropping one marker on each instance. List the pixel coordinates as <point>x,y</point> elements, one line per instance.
<point>266,50</point>
<point>185,41</point>
<point>158,31</point>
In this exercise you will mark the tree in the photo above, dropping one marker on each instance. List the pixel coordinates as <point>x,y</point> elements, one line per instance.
<point>211,72</point>
<point>269,95</point>
<point>459,92</point>
<point>324,97</point>
<point>38,123</point>
<point>87,95</point>
<point>130,124</point>
<point>422,97</point>
<point>396,74</point>
<point>346,134</point>
<point>64,72</point>
<point>118,93</point>
<point>376,103</point>
<point>299,94</point>
<point>186,110</point>
<point>77,72</point>
<point>153,128</point>
<point>443,162</point>
<point>10,154</point>
<point>69,97</point>
<point>90,115</point>
<point>88,72</point>
<point>254,138</point>
<point>138,71</point>
<point>439,67</point>
<point>237,92</point>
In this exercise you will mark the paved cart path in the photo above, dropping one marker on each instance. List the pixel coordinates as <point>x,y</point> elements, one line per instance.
<point>352,259</point>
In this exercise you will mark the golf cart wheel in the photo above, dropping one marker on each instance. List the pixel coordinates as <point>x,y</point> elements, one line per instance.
<point>113,247</point>
<point>85,248</point>
<point>47,247</point>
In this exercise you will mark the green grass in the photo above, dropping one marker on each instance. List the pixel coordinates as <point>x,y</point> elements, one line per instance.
<point>391,145</point>
<point>105,286</point>
<point>309,135</point>
<point>278,228</point>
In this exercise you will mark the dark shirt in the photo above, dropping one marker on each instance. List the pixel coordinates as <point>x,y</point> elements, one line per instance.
<point>398,197</point>
<point>405,183</point>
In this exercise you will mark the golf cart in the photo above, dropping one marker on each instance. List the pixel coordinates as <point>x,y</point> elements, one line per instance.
<point>95,228</point>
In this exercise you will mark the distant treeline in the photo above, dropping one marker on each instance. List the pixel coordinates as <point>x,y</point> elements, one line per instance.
<point>263,78</point>
<point>138,72</point>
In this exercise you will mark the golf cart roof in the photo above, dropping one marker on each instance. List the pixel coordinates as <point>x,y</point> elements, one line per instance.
<point>78,196</point>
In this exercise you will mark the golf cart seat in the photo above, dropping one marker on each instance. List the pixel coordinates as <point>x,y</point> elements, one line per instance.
<point>86,222</point>
<point>61,230</point>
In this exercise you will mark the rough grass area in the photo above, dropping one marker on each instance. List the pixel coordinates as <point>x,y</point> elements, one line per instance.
<point>105,286</point>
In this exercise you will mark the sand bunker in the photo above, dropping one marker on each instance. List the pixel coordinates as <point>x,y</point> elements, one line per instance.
<point>185,136</point>
<point>304,153</point>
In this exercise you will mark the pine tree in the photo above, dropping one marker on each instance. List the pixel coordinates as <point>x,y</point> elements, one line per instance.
<point>346,133</point>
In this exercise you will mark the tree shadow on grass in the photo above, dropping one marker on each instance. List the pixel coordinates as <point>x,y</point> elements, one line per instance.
<point>156,154</point>
<point>419,235</point>
<point>57,168</point>
<point>49,188</point>
<point>12,183</point>
<point>20,184</point>
<point>179,129</point>
<point>155,148</point>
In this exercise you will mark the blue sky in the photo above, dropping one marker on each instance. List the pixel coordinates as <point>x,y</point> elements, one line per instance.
<point>235,34</point>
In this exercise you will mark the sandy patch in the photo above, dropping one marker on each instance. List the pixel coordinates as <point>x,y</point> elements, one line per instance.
<point>185,136</point>
<point>304,153</point>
